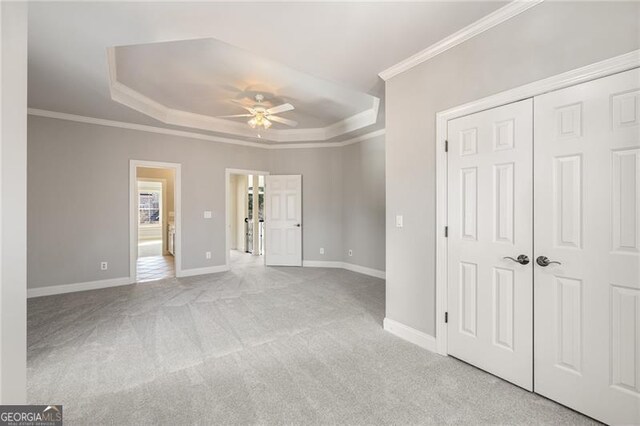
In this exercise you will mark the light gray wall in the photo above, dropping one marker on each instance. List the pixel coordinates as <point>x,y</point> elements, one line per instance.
<point>78,197</point>
<point>13,200</point>
<point>363,201</point>
<point>549,39</point>
<point>321,197</point>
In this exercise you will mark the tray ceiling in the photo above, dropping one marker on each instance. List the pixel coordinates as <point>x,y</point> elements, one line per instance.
<point>192,82</point>
<point>347,43</point>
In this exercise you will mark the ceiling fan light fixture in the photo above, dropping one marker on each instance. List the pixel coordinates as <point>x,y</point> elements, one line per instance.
<point>263,117</point>
<point>259,120</point>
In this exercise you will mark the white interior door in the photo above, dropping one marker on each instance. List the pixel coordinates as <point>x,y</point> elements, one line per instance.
<point>587,217</point>
<point>283,220</point>
<point>490,301</point>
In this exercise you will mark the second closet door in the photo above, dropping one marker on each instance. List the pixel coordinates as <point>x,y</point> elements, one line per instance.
<point>587,218</point>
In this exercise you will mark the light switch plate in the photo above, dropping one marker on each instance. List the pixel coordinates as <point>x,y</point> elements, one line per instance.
<point>399,223</point>
<point>207,214</point>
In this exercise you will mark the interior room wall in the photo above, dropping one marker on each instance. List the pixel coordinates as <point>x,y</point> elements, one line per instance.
<point>363,203</point>
<point>68,160</point>
<point>321,170</point>
<point>13,200</point>
<point>168,207</point>
<point>548,39</point>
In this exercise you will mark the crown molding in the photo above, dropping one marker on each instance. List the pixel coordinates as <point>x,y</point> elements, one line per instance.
<point>483,24</point>
<point>199,136</point>
<point>133,99</point>
<point>347,142</point>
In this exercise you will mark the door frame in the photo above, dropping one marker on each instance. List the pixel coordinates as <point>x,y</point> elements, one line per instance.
<point>133,212</point>
<point>227,218</point>
<point>594,71</point>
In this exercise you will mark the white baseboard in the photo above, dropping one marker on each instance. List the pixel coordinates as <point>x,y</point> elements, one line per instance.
<point>114,282</point>
<point>203,271</point>
<point>364,270</point>
<point>71,288</point>
<point>321,264</point>
<point>409,334</point>
<point>344,265</point>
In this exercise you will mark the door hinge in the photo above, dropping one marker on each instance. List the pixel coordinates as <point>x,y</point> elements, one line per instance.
<point>446,232</point>
<point>446,317</point>
<point>446,146</point>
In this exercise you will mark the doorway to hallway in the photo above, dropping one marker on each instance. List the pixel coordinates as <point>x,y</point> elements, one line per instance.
<point>155,219</point>
<point>245,216</point>
<point>153,216</point>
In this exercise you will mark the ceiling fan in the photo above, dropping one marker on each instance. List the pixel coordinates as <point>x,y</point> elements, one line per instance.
<point>262,116</point>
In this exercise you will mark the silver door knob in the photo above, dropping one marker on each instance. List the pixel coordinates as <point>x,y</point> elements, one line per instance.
<point>544,261</point>
<point>523,259</point>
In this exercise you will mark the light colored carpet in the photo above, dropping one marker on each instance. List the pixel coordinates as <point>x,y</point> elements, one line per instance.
<point>254,345</point>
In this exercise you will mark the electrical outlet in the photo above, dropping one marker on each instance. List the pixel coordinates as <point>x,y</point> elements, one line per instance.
<point>208,255</point>
<point>207,214</point>
<point>350,252</point>
<point>104,266</point>
<point>321,250</point>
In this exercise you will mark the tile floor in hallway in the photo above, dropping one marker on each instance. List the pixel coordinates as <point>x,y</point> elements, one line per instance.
<point>152,268</point>
<point>255,345</point>
<point>149,247</point>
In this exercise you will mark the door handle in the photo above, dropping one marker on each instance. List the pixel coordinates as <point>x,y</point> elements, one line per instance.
<point>544,261</point>
<point>523,259</point>
<point>297,224</point>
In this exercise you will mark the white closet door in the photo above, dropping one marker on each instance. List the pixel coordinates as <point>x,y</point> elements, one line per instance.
<point>490,217</point>
<point>283,220</point>
<point>587,217</point>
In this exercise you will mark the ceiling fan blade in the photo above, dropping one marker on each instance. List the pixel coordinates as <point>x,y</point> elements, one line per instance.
<point>280,108</point>
<point>283,120</point>
<point>237,102</point>
<point>235,115</point>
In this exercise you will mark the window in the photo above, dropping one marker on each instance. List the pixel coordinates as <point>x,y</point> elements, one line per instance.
<point>149,207</point>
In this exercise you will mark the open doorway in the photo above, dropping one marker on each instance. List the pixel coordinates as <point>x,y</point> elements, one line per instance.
<point>245,217</point>
<point>154,226</point>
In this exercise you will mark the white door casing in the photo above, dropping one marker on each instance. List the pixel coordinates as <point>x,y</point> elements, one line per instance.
<point>490,300</point>
<point>587,216</point>
<point>283,220</point>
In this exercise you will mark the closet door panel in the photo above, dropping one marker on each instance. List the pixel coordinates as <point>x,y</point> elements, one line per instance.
<point>587,217</point>
<point>490,218</point>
